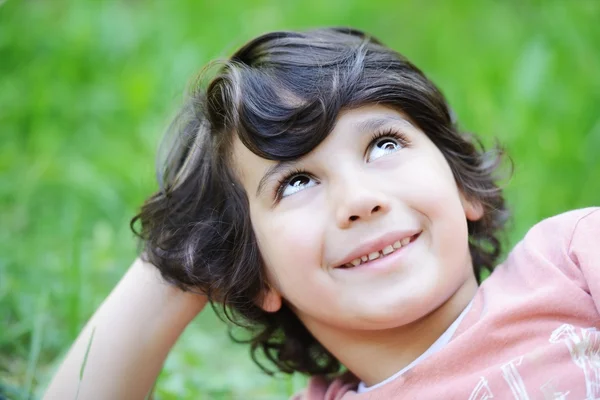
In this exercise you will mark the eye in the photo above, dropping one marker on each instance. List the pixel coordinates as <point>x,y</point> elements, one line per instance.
<point>295,183</point>
<point>383,145</point>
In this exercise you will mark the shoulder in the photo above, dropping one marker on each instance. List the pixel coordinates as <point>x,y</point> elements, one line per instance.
<point>549,242</point>
<point>587,226</point>
<point>553,252</point>
<point>584,246</point>
<point>555,241</point>
<point>562,227</point>
<point>568,220</point>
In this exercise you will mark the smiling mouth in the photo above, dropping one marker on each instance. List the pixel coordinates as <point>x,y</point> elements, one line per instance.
<point>376,255</point>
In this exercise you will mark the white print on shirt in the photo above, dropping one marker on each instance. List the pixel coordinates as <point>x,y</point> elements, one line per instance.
<point>550,393</point>
<point>584,347</point>
<point>514,380</point>
<point>585,353</point>
<point>482,391</point>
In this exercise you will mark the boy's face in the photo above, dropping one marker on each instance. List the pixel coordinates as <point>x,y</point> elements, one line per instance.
<point>353,198</point>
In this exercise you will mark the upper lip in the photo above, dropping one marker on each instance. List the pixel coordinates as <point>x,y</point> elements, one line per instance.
<point>376,245</point>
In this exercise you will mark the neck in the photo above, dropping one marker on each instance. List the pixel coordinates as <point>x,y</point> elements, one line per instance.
<point>374,356</point>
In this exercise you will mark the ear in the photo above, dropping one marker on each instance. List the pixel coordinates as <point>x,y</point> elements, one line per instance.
<point>473,208</point>
<point>271,301</point>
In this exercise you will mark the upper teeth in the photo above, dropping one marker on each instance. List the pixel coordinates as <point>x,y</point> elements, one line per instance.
<point>389,249</point>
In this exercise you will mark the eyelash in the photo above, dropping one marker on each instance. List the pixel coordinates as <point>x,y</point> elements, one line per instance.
<point>392,133</point>
<point>285,179</point>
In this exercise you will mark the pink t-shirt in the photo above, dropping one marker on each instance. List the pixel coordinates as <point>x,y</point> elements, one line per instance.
<point>531,332</point>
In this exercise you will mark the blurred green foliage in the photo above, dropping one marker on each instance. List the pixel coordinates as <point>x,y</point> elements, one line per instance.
<point>86,88</point>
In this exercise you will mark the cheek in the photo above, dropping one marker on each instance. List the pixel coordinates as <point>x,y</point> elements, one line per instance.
<point>434,194</point>
<point>290,243</point>
<point>432,186</point>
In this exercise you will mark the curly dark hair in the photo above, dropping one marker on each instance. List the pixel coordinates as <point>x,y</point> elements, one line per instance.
<point>281,94</point>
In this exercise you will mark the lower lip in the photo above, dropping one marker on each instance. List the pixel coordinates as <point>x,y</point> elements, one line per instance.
<point>384,263</point>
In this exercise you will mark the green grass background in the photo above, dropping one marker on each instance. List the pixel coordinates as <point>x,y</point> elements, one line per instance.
<point>87,87</point>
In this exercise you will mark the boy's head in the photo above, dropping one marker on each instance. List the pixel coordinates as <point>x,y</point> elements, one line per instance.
<point>308,153</point>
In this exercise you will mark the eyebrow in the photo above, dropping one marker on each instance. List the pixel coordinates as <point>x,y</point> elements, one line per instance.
<point>368,125</point>
<point>372,124</point>
<point>272,171</point>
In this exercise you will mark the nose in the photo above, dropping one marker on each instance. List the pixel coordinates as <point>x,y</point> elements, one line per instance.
<point>356,202</point>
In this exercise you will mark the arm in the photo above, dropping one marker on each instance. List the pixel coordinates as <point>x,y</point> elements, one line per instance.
<point>584,251</point>
<point>133,331</point>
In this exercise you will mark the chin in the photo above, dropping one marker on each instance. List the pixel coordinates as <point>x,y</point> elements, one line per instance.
<point>392,314</point>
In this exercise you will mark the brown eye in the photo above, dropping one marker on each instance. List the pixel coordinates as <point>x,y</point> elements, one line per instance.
<point>382,146</point>
<point>297,183</point>
<point>387,145</point>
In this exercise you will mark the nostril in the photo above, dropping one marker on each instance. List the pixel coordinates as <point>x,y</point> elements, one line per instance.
<point>353,217</point>
<point>376,208</point>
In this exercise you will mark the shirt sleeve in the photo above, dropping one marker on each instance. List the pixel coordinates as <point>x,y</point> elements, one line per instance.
<point>320,388</point>
<point>584,251</point>
<point>316,389</point>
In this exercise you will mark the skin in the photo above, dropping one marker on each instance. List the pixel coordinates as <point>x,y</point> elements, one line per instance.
<point>374,319</point>
<point>129,337</point>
